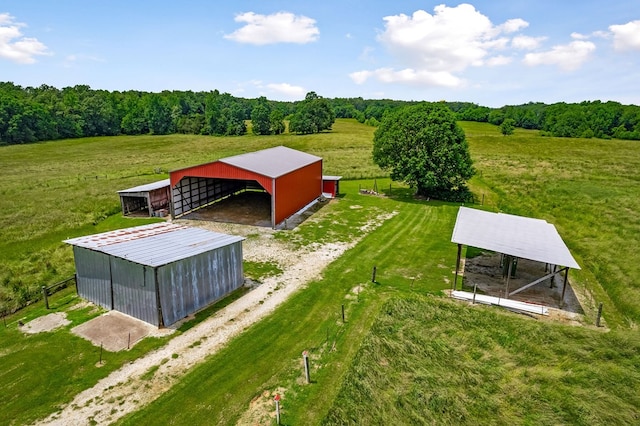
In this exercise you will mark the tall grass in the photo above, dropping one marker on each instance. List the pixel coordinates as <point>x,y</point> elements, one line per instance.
<point>588,188</point>
<point>62,189</point>
<point>431,361</point>
<point>411,255</point>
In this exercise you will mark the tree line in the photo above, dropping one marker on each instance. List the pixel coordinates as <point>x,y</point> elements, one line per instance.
<point>578,120</point>
<point>47,113</point>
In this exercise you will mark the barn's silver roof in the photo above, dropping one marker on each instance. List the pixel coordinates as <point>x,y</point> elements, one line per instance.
<point>519,236</point>
<point>148,187</point>
<point>156,244</point>
<point>272,162</point>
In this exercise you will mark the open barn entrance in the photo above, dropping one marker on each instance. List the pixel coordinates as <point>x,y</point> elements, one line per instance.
<point>223,200</point>
<point>245,208</point>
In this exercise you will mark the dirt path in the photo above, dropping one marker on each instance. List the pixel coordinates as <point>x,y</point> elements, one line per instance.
<point>125,391</point>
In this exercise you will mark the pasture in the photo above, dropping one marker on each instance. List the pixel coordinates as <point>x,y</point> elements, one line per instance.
<point>586,187</point>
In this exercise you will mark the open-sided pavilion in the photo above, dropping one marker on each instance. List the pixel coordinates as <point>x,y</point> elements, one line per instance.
<point>514,237</point>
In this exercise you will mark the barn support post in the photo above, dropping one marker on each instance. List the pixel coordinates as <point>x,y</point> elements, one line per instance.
<point>148,197</point>
<point>455,279</point>
<point>273,203</point>
<point>111,285</point>
<point>160,321</point>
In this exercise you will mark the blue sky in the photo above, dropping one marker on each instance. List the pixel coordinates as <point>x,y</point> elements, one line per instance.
<point>493,53</point>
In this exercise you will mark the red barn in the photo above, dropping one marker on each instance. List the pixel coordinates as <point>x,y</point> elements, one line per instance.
<point>292,178</point>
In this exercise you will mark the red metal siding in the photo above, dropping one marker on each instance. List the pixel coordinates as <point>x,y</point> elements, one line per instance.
<point>293,191</point>
<point>297,189</point>
<point>217,170</point>
<point>329,187</point>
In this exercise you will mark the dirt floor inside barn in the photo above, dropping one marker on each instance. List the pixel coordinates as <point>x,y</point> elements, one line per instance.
<point>247,208</point>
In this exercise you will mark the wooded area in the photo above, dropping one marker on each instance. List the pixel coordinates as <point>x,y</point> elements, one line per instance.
<point>46,113</point>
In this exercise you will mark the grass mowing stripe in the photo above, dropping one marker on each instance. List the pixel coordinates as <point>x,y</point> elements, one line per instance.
<point>267,355</point>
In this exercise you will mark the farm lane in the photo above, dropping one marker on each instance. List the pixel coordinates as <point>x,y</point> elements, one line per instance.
<point>129,388</point>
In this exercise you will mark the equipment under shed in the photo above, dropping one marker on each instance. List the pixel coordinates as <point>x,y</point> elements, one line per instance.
<point>158,273</point>
<point>514,237</point>
<point>293,180</point>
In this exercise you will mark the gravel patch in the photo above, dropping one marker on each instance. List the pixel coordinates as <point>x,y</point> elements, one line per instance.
<point>123,391</point>
<point>46,323</point>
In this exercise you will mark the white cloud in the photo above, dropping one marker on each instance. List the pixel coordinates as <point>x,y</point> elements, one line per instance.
<point>408,76</point>
<point>626,36</point>
<point>526,43</point>
<point>513,25</point>
<point>281,27</point>
<point>568,57</point>
<point>14,46</point>
<point>498,61</point>
<point>432,49</point>
<point>287,90</point>
<point>366,54</point>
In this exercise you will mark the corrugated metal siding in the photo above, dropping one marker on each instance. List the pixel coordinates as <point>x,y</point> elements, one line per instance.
<point>94,276</point>
<point>134,290</point>
<point>218,170</point>
<point>297,189</point>
<point>191,284</point>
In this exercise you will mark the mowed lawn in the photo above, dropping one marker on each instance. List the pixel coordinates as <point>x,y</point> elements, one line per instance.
<point>586,187</point>
<point>412,254</point>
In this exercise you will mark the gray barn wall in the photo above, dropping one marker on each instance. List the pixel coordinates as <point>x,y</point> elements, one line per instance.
<point>93,276</point>
<point>191,284</point>
<point>134,290</point>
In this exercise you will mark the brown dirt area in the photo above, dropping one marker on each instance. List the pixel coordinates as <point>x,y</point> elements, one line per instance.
<point>249,208</point>
<point>46,323</point>
<point>485,272</point>
<point>115,331</point>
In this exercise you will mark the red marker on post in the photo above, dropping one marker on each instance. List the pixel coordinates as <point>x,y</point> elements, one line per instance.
<point>277,400</point>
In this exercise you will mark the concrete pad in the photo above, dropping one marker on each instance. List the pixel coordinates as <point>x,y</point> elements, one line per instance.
<point>114,330</point>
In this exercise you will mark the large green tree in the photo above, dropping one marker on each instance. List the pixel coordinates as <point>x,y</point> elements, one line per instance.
<point>423,146</point>
<point>313,115</point>
<point>260,117</point>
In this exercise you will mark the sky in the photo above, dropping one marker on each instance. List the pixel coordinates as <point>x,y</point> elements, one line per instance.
<point>489,52</point>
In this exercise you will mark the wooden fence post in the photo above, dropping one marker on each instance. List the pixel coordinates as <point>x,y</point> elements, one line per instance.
<point>46,298</point>
<point>599,315</point>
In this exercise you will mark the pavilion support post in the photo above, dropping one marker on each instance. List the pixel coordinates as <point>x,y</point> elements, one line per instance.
<point>564,286</point>
<point>455,279</point>
<point>510,260</point>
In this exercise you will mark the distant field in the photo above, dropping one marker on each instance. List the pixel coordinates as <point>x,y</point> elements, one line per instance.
<point>55,190</point>
<point>588,188</point>
<point>530,372</point>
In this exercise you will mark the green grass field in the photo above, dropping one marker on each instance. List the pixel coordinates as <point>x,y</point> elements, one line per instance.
<point>523,371</point>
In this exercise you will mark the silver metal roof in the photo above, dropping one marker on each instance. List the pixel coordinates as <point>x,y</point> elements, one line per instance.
<point>148,187</point>
<point>272,162</point>
<point>156,244</point>
<point>329,177</point>
<point>533,239</point>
